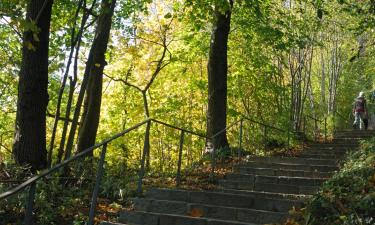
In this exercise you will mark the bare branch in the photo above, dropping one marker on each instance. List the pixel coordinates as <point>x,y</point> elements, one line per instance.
<point>6,148</point>
<point>19,35</point>
<point>147,40</point>
<point>159,67</point>
<point>125,82</point>
<point>59,118</point>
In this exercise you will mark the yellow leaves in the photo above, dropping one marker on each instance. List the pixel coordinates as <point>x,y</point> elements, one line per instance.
<point>287,222</point>
<point>291,222</point>
<point>97,65</point>
<point>343,217</point>
<point>296,212</point>
<point>30,46</point>
<point>328,194</point>
<point>195,212</point>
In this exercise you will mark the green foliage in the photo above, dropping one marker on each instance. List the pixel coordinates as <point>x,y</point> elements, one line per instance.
<point>348,197</point>
<point>267,39</point>
<point>223,153</point>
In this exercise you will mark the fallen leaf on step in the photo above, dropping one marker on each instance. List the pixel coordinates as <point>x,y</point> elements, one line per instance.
<point>196,212</point>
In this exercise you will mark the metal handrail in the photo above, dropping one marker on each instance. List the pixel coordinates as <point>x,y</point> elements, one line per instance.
<point>31,182</point>
<point>311,117</point>
<point>199,134</point>
<point>225,129</point>
<point>65,162</point>
<point>340,115</point>
<point>263,124</point>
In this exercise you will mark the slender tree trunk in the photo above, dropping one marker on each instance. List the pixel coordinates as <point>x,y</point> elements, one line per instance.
<point>90,124</point>
<point>148,128</point>
<point>72,86</point>
<point>29,146</point>
<point>77,110</point>
<point>323,81</point>
<point>73,42</point>
<point>217,78</point>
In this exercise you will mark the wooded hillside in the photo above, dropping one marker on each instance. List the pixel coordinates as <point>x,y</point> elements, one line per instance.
<point>75,72</point>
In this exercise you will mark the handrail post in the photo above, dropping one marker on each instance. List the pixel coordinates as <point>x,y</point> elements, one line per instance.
<point>240,140</point>
<point>304,133</point>
<point>265,137</point>
<point>143,159</point>
<point>288,135</point>
<point>99,175</point>
<point>178,176</point>
<point>213,164</point>
<point>316,127</point>
<point>30,205</point>
<point>334,122</point>
<point>325,129</point>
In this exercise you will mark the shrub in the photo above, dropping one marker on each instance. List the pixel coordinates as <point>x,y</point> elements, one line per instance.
<point>349,197</point>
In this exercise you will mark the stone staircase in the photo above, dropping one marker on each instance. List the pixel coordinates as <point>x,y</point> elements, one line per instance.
<point>260,191</point>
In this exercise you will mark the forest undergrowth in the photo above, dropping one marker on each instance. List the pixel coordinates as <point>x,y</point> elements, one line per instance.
<point>65,198</point>
<point>348,198</point>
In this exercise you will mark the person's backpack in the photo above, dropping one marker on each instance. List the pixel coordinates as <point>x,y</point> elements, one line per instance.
<point>359,104</point>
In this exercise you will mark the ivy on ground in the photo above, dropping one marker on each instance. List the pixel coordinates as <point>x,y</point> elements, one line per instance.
<point>349,197</point>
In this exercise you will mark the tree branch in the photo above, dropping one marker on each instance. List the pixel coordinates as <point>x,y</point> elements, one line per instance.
<point>125,82</point>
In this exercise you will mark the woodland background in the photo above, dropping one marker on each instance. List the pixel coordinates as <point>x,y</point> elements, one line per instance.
<point>286,59</point>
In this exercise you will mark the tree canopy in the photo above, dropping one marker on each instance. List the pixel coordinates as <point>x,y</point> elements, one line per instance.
<point>273,62</point>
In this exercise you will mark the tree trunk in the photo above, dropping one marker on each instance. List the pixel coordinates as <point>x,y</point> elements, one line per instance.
<point>217,78</point>
<point>73,42</point>
<point>90,124</point>
<point>148,129</point>
<point>323,81</point>
<point>72,86</point>
<point>29,146</point>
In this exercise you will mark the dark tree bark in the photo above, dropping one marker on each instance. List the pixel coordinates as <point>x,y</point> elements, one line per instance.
<point>90,123</point>
<point>217,78</point>
<point>29,146</point>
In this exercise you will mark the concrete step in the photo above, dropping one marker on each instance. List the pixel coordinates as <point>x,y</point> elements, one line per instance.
<point>348,136</point>
<point>259,191</point>
<point>345,139</point>
<point>269,187</point>
<point>208,211</point>
<point>321,155</point>
<point>324,153</point>
<point>148,218</point>
<point>328,148</point>
<point>341,146</point>
<point>296,160</point>
<point>282,172</point>
<point>291,166</point>
<point>297,181</point>
<point>111,223</point>
<point>225,199</point>
<point>264,194</point>
<point>355,133</point>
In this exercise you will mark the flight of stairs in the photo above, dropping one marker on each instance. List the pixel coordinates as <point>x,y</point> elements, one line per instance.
<point>259,191</point>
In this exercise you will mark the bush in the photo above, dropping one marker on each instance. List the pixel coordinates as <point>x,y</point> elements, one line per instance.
<point>349,197</point>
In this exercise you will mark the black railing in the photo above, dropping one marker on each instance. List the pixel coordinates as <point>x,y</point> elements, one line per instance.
<point>317,126</point>
<point>31,183</point>
<point>346,120</point>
